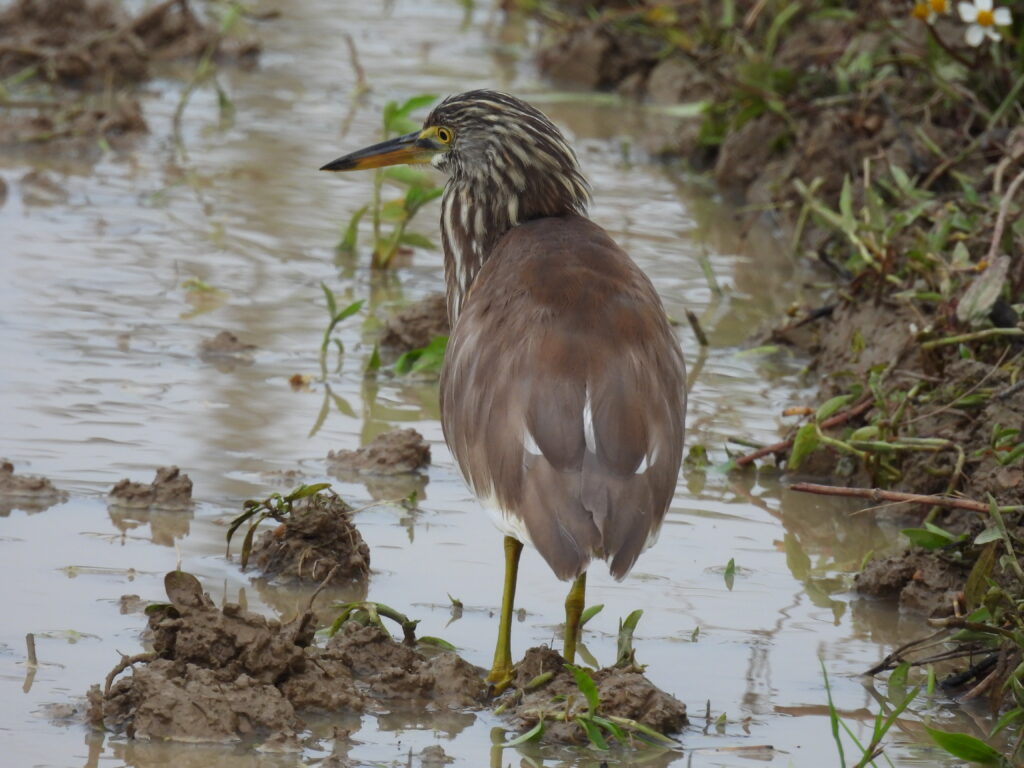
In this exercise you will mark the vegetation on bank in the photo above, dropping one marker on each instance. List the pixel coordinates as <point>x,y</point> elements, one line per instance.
<point>888,139</point>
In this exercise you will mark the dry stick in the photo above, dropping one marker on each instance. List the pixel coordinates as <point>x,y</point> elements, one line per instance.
<point>839,418</point>
<point>1004,207</point>
<point>30,641</point>
<point>126,661</point>
<point>877,494</point>
<point>988,333</point>
<point>697,330</point>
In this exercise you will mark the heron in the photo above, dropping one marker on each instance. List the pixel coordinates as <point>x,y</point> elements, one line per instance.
<point>563,389</point>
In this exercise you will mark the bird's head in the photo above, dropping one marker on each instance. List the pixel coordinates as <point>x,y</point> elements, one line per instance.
<point>493,142</point>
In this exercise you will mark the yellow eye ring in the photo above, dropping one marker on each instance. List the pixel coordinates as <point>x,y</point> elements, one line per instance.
<point>444,135</point>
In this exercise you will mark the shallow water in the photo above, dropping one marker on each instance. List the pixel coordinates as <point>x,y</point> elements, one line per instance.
<point>102,381</point>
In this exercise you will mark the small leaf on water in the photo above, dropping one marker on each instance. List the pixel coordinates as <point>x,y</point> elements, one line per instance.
<point>804,444</point>
<point>530,735</point>
<point>730,573</point>
<point>695,634</point>
<point>965,747</point>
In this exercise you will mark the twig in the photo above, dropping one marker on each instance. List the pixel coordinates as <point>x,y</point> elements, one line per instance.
<point>30,641</point>
<point>323,584</point>
<point>955,622</point>
<point>877,494</point>
<point>839,418</point>
<point>697,330</point>
<point>126,661</point>
<point>1004,207</point>
<point>988,333</point>
<point>896,656</point>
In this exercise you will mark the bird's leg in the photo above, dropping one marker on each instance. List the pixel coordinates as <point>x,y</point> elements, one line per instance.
<point>574,602</point>
<point>501,670</point>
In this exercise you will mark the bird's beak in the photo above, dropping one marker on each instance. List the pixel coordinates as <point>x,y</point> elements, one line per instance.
<point>415,147</point>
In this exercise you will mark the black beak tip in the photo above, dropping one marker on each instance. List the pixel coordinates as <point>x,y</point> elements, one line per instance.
<point>341,164</point>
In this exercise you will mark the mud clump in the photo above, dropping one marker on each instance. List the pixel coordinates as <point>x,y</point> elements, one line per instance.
<point>170,489</point>
<point>396,452</point>
<point>624,693</point>
<point>923,582</point>
<point>222,675</point>
<point>417,325</point>
<point>391,671</point>
<point>316,541</point>
<point>225,352</point>
<point>31,493</point>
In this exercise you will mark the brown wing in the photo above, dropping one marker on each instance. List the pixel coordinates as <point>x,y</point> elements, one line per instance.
<point>564,392</point>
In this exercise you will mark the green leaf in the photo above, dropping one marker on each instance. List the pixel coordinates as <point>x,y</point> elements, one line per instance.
<point>831,405</point>
<point>304,491</point>
<point>624,643</point>
<point>350,238</point>
<point>415,240</point>
<point>870,432</point>
<point>922,537</point>
<point>590,613</point>
<point>587,687</point>
<point>412,177</point>
<point>965,747</point>
<point>804,444</point>
<point>849,224</point>
<point>347,312</point>
<point>530,735</point>
<point>332,307</point>
<point>593,732</point>
<point>989,534</point>
<point>436,642</point>
<point>373,364</point>
<point>730,573</point>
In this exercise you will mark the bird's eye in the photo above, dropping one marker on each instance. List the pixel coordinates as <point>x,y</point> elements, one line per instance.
<point>444,135</point>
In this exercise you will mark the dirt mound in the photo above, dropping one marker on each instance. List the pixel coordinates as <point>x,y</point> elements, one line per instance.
<point>31,493</point>
<point>391,671</point>
<point>225,352</point>
<point>395,452</point>
<point>417,325</point>
<point>170,489</point>
<point>624,693</point>
<point>318,538</point>
<point>924,582</point>
<point>221,675</point>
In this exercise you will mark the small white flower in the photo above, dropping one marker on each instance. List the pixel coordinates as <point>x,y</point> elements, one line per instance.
<point>983,20</point>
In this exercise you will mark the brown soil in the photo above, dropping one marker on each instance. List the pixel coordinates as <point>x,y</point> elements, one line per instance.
<point>923,582</point>
<point>79,50</point>
<point>170,489</point>
<point>416,325</point>
<point>316,540</point>
<point>396,452</point>
<point>228,674</point>
<point>225,352</point>
<point>31,493</point>
<point>624,692</point>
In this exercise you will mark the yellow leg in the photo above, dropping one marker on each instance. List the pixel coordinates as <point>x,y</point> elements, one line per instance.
<point>501,670</point>
<point>574,603</point>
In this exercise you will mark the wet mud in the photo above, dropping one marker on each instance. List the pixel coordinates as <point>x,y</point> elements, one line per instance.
<point>170,489</point>
<point>923,582</point>
<point>417,325</point>
<point>395,452</point>
<point>624,693</point>
<point>89,51</point>
<point>225,674</point>
<point>31,493</point>
<point>318,540</point>
<point>226,351</point>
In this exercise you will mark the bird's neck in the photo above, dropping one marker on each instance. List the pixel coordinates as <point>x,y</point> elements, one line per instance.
<point>476,213</point>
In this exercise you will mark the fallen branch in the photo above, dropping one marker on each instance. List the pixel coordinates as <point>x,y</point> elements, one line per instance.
<point>876,495</point>
<point>785,445</point>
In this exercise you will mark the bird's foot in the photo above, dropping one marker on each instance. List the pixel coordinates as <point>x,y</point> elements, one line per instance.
<point>499,679</point>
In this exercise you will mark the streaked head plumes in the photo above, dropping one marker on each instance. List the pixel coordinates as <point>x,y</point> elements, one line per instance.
<point>507,163</point>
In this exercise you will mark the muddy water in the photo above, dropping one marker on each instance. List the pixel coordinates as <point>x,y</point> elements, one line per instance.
<point>101,380</point>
